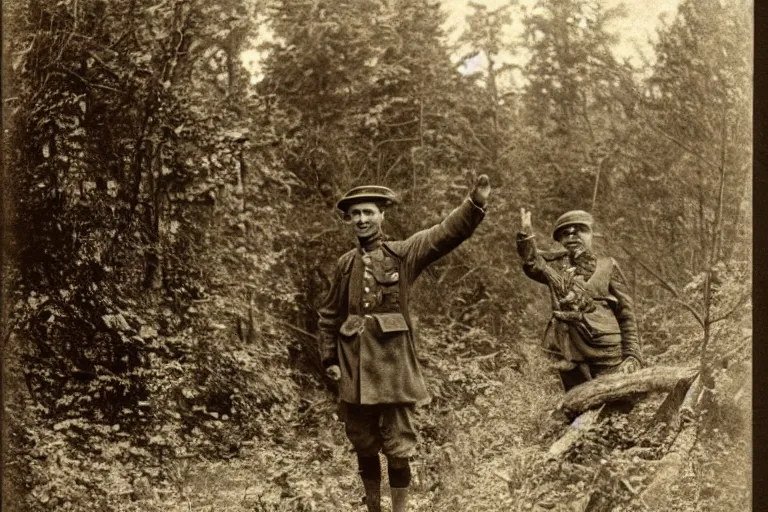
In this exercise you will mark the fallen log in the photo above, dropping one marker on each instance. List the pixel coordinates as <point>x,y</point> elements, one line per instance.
<point>656,494</point>
<point>574,432</point>
<point>608,388</point>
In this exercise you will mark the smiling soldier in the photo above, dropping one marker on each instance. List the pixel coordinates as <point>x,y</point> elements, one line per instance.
<point>592,318</point>
<point>366,338</point>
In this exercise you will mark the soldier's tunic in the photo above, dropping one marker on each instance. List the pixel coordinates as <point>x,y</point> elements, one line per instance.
<point>365,327</point>
<point>608,333</point>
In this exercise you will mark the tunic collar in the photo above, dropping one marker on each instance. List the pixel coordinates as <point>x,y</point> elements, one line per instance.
<point>370,243</point>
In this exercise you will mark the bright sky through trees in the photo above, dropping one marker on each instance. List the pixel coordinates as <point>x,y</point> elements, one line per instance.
<point>635,30</point>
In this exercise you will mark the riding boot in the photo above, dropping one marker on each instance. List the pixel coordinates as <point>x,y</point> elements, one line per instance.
<point>372,494</point>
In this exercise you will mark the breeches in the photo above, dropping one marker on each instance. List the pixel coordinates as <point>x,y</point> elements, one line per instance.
<point>387,428</point>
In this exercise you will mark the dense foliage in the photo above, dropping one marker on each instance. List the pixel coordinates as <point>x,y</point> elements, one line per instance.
<point>173,230</point>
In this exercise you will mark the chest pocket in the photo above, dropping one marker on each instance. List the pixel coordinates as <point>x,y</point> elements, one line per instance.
<point>387,276</point>
<point>389,324</point>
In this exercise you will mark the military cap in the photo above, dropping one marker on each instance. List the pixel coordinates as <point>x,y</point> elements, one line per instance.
<point>369,193</point>
<point>570,218</point>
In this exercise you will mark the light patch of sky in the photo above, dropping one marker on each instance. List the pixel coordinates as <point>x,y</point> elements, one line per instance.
<point>636,31</point>
<point>253,57</point>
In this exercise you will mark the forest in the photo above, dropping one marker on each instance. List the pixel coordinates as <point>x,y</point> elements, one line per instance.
<point>170,230</point>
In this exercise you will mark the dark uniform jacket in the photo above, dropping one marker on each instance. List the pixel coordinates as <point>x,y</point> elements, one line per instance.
<point>608,332</point>
<point>364,323</point>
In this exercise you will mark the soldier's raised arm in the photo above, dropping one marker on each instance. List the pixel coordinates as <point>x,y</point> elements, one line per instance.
<point>526,248</point>
<point>427,246</point>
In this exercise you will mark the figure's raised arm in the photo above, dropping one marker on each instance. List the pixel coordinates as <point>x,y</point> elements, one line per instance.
<point>427,246</point>
<point>533,263</point>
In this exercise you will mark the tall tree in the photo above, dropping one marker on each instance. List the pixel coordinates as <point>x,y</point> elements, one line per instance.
<point>317,73</point>
<point>571,67</point>
<point>493,121</point>
<point>700,99</point>
<point>368,89</point>
<point>575,96</point>
<point>687,144</point>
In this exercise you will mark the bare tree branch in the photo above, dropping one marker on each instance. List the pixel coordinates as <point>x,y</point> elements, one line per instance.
<point>693,311</point>
<point>597,181</point>
<point>322,234</point>
<point>104,65</point>
<point>667,285</point>
<point>404,139</point>
<point>297,329</point>
<point>680,144</point>
<point>392,125</point>
<point>743,299</point>
<point>86,82</point>
<point>741,348</point>
<point>391,167</point>
<point>472,132</point>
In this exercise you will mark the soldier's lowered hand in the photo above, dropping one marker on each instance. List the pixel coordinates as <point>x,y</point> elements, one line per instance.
<point>333,372</point>
<point>629,365</point>
<point>568,316</point>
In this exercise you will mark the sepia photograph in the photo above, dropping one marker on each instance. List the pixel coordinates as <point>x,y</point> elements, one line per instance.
<point>377,255</point>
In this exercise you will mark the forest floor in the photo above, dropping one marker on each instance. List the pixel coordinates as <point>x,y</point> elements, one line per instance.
<point>316,469</point>
<point>489,454</point>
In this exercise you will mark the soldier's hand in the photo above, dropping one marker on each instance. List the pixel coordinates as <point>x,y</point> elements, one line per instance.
<point>629,365</point>
<point>481,190</point>
<point>525,221</point>
<point>333,372</point>
<point>568,316</point>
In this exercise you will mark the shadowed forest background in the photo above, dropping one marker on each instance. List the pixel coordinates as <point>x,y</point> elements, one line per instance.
<point>173,230</point>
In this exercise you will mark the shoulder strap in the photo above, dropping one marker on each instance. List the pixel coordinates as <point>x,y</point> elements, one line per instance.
<point>393,248</point>
<point>600,281</point>
<point>354,291</point>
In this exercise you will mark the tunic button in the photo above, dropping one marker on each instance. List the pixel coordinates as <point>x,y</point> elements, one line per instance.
<point>367,289</point>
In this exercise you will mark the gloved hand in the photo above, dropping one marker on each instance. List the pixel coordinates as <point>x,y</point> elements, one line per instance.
<point>333,372</point>
<point>563,365</point>
<point>568,316</point>
<point>629,365</point>
<point>481,190</point>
